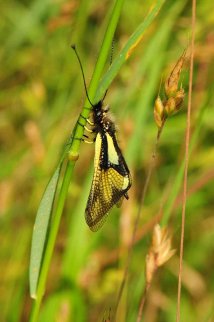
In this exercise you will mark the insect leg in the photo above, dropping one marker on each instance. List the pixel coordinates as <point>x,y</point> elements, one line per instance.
<point>78,122</point>
<point>81,139</point>
<point>88,130</point>
<point>85,127</point>
<point>87,141</point>
<point>87,120</point>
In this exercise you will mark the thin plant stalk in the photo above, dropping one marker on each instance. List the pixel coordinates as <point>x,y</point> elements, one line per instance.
<point>188,125</point>
<point>142,302</point>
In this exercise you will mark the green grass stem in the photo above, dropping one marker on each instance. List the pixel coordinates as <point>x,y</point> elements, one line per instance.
<point>74,150</point>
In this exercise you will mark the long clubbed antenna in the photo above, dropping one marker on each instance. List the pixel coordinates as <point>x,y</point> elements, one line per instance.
<point>74,48</point>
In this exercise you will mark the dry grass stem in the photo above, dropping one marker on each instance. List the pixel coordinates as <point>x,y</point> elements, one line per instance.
<point>186,159</point>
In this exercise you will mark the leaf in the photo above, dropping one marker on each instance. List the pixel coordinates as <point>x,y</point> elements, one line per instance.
<point>41,229</point>
<point>126,52</point>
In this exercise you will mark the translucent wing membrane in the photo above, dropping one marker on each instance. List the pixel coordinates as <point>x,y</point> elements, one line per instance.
<point>110,183</point>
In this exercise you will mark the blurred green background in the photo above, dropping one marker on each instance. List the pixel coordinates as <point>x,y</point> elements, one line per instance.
<point>41,95</point>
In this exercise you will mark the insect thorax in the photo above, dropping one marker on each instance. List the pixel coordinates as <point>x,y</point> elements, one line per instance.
<point>102,119</point>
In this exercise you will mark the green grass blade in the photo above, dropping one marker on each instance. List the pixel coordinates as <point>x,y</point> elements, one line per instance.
<point>127,50</point>
<point>41,229</point>
<point>74,150</point>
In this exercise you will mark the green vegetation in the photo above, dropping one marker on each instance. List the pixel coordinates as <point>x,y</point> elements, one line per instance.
<point>41,97</point>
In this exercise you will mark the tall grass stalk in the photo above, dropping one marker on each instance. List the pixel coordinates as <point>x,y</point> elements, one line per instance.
<point>74,150</point>
<point>186,163</point>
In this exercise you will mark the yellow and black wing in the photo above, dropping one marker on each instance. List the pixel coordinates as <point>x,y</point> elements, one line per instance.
<point>111,180</point>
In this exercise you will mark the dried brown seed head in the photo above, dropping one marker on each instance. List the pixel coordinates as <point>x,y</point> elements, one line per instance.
<point>171,83</point>
<point>159,112</point>
<point>160,251</point>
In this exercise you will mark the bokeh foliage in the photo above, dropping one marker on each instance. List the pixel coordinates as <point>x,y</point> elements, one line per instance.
<point>40,98</point>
